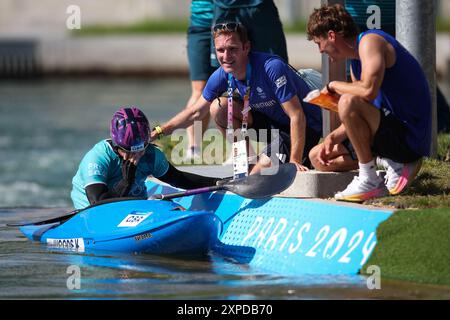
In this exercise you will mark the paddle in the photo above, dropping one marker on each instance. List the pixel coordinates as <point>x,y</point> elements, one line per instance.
<point>70,214</point>
<point>257,186</point>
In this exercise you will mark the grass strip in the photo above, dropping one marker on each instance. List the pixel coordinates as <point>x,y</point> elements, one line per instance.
<point>414,245</point>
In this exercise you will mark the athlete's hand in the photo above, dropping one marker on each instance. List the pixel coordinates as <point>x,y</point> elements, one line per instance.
<point>325,151</point>
<point>299,166</point>
<point>132,157</point>
<point>122,188</point>
<point>328,89</point>
<point>153,135</point>
<point>128,172</point>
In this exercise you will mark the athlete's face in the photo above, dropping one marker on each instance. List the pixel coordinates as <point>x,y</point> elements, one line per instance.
<point>231,53</point>
<point>328,45</point>
<point>133,157</point>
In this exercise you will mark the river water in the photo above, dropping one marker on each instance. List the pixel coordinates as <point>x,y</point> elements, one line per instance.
<point>46,126</point>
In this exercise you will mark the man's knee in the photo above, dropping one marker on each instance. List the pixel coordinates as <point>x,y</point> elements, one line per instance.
<point>314,158</point>
<point>348,106</point>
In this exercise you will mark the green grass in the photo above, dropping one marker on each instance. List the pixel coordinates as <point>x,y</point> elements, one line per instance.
<point>414,245</point>
<point>140,27</point>
<point>430,189</point>
<point>180,26</point>
<point>442,25</point>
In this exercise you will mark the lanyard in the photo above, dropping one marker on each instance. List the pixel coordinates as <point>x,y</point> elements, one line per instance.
<point>246,109</point>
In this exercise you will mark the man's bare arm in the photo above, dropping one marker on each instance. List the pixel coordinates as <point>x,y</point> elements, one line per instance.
<point>373,52</point>
<point>186,117</point>
<point>295,112</point>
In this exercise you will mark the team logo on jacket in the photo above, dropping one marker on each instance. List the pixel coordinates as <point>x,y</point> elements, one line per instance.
<point>95,169</point>
<point>281,81</point>
<point>261,93</point>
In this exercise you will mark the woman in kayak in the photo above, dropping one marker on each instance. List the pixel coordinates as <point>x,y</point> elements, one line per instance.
<point>118,167</point>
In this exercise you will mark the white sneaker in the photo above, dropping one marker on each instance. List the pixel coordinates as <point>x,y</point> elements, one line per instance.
<point>359,190</point>
<point>399,175</point>
<point>193,156</point>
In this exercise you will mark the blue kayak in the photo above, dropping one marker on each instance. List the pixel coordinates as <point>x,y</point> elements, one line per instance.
<point>141,226</point>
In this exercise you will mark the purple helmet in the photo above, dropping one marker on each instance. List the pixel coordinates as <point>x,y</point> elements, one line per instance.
<point>130,129</point>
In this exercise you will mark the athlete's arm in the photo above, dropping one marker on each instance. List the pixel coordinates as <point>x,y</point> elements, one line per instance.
<point>294,110</point>
<point>185,118</point>
<point>373,51</point>
<point>97,192</point>
<point>186,180</point>
<point>337,136</point>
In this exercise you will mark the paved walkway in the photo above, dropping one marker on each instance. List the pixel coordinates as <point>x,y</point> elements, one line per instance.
<point>165,53</point>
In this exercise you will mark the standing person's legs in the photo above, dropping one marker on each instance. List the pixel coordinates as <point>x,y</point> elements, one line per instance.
<point>194,134</point>
<point>263,24</point>
<point>265,28</point>
<point>198,48</point>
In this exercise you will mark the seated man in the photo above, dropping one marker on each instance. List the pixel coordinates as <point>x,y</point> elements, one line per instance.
<point>385,111</point>
<point>118,167</point>
<point>273,91</point>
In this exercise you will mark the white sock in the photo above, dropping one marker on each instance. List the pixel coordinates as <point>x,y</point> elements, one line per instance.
<point>367,171</point>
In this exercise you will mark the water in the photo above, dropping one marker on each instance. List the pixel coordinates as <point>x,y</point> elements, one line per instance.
<point>47,126</point>
<point>45,129</point>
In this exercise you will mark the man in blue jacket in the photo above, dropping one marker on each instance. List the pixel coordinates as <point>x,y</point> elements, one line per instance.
<point>273,90</point>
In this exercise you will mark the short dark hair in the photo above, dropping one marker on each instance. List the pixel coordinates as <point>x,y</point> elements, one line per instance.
<point>235,27</point>
<point>334,18</point>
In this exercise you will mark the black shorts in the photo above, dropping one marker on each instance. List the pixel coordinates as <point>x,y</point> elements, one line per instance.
<point>390,140</point>
<point>351,151</point>
<point>279,141</point>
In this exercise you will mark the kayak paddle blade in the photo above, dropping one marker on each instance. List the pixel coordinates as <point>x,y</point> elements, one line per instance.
<point>267,183</point>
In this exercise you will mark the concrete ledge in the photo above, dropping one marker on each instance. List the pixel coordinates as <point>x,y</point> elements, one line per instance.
<point>310,184</point>
<point>316,184</point>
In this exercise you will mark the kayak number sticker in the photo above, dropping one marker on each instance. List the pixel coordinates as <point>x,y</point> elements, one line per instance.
<point>134,219</point>
<point>75,244</point>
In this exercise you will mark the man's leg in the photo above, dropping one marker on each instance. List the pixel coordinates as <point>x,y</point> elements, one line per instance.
<point>195,142</point>
<point>401,163</point>
<point>361,120</point>
<point>340,157</point>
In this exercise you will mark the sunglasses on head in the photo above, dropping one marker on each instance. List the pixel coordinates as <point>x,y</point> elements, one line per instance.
<point>226,26</point>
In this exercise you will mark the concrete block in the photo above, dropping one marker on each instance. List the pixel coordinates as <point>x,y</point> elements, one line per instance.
<point>316,184</point>
<point>309,184</point>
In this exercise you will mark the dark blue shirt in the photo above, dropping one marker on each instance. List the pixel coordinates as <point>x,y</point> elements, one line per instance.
<point>404,92</point>
<point>272,83</point>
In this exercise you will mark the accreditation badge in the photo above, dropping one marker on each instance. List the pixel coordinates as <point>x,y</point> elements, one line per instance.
<point>240,159</point>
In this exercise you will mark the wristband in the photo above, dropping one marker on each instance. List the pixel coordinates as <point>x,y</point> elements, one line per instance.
<point>159,131</point>
<point>329,89</point>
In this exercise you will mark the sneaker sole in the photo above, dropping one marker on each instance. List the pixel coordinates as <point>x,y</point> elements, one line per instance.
<point>406,179</point>
<point>377,193</point>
